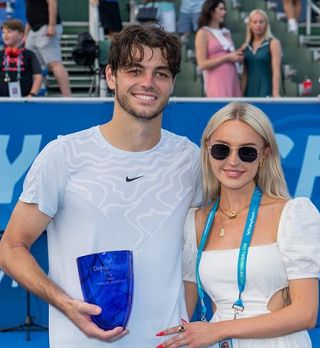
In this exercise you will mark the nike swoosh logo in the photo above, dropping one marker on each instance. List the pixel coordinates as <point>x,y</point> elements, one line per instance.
<point>132,179</point>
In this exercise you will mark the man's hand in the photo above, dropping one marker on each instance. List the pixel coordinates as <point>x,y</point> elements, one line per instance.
<point>79,312</point>
<point>51,30</point>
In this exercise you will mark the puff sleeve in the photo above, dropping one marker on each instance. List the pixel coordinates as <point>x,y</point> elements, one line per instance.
<point>299,239</point>
<point>189,253</point>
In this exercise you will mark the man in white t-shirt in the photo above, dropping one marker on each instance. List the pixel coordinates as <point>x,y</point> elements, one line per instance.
<point>127,184</point>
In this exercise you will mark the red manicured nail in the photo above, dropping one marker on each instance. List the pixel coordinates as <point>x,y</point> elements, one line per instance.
<point>161,333</point>
<point>183,321</point>
<point>160,346</point>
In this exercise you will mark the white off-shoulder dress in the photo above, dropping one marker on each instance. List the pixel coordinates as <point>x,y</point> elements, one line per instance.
<point>295,255</point>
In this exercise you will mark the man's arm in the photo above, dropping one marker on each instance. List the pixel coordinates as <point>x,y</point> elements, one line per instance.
<point>25,226</point>
<point>53,11</point>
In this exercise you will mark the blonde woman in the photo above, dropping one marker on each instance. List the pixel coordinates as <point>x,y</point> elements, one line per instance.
<point>262,58</point>
<point>252,248</point>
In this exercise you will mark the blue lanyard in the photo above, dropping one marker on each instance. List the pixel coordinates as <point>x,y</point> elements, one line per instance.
<point>243,252</point>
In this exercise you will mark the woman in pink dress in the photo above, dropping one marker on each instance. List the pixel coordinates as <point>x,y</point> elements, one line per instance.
<point>215,52</point>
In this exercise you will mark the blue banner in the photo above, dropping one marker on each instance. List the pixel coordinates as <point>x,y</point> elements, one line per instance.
<point>27,126</point>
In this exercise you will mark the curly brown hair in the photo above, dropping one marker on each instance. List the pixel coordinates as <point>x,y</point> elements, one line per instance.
<point>127,47</point>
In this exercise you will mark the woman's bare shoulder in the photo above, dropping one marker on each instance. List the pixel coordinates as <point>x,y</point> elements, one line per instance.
<point>201,34</point>
<point>201,213</point>
<point>275,44</point>
<point>274,204</point>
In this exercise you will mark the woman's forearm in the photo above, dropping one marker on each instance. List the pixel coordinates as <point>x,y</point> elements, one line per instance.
<point>300,315</point>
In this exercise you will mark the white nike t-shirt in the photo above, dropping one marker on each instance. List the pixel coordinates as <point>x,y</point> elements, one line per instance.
<point>102,198</point>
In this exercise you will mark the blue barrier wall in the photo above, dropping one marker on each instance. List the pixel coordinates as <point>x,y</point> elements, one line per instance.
<point>25,128</point>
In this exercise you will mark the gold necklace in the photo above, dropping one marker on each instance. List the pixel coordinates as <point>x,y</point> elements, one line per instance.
<point>233,214</point>
<point>221,233</point>
<point>222,230</point>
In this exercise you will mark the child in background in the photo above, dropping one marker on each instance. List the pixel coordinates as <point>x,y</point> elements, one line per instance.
<point>20,71</point>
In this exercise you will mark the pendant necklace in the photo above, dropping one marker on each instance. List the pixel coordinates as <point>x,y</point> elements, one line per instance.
<point>221,233</point>
<point>232,215</point>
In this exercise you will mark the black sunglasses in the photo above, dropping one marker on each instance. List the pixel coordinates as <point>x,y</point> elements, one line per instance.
<point>222,151</point>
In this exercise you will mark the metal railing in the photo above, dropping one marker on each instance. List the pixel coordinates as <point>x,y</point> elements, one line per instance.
<point>311,6</point>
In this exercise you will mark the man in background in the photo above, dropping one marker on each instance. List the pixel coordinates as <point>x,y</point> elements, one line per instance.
<point>43,34</point>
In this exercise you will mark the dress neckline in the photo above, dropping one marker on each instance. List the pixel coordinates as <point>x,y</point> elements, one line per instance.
<point>237,249</point>
<point>263,43</point>
<point>281,221</point>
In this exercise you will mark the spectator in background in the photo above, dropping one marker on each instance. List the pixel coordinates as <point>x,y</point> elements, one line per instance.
<point>43,33</point>
<point>20,71</point>
<point>167,14</point>
<point>110,17</point>
<point>215,52</point>
<point>189,17</point>
<point>262,58</point>
<point>8,10</point>
<point>292,8</point>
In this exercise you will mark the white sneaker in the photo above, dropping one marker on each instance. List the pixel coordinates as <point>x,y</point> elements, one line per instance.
<point>292,25</point>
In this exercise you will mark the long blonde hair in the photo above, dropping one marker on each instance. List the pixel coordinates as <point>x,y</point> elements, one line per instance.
<point>249,35</point>
<point>270,177</point>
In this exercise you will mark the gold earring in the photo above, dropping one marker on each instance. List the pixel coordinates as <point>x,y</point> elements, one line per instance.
<point>261,163</point>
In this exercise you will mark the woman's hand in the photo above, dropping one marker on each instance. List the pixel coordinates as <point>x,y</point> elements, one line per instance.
<point>193,335</point>
<point>240,54</point>
<point>236,56</point>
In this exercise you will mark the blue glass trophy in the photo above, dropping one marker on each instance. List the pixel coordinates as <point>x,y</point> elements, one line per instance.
<point>107,281</point>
